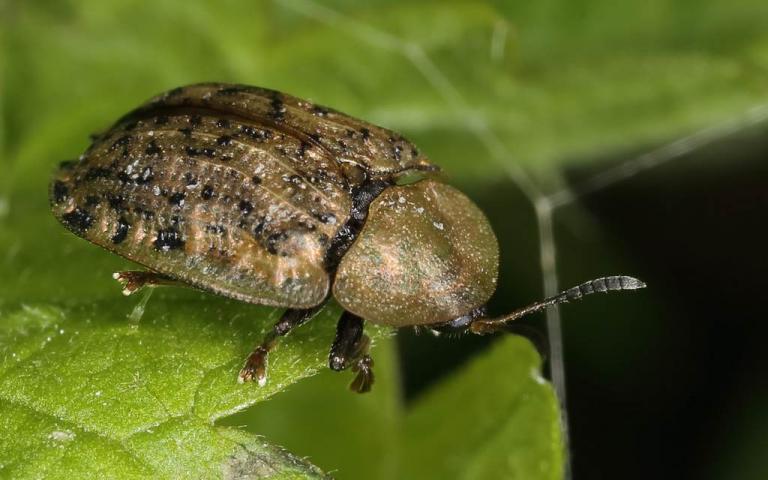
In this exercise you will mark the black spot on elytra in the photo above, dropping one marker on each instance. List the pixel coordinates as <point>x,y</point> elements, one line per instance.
<point>78,220</point>
<point>177,198</point>
<point>91,200</point>
<point>319,111</point>
<point>366,133</point>
<point>207,192</point>
<point>223,123</point>
<point>226,157</point>
<point>140,179</point>
<point>116,201</point>
<point>190,179</point>
<point>325,217</point>
<point>187,132</point>
<point>224,140</point>
<point>97,172</point>
<point>60,191</point>
<point>168,239</point>
<point>161,119</point>
<point>121,142</point>
<point>277,107</point>
<point>192,151</point>
<point>258,229</point>
<point>195,120</point>
<point>153,148</point>
<point>122,231</point>
<point>323,239</point>
<point>310,227</point>
<point>315,137</point>
<point>214,228</point>
<point>273,241</point>
<point>245,207</point>
<point>256,180</point>
<point>414,152</point>
<point>294,179</point>
<point>303,147</point>
<point>256,133</point>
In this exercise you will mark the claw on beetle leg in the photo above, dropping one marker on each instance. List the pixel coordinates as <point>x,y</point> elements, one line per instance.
<point>255,367</point>
<point>133,281</point>
<point>350,349</point>
<point>364,378</point>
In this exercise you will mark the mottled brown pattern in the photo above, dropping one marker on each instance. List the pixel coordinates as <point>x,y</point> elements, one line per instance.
<point>326,133</point>
<point>236,190</point>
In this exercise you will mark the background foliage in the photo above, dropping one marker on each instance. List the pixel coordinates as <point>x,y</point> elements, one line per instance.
<point>94,383</point>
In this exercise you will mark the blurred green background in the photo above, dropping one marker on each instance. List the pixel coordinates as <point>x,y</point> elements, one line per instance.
<point>639,126</point>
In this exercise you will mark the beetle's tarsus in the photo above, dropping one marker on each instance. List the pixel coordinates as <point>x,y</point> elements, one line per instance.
<point>255,367</point>
<point>350,349</point>
<point>364,379</point>
<point>133,281</point>
<point>129,285</point>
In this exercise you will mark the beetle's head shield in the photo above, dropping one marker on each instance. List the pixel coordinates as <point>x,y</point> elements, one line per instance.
<point>425,255</point>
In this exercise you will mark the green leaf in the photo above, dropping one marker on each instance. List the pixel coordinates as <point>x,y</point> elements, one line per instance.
<point>105,388</point>
<point>496,418</point>
<point>352,436</point>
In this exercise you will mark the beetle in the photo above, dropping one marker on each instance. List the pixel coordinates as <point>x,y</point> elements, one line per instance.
<point>263,197</point>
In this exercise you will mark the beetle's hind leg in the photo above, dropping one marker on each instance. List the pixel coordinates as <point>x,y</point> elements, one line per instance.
<point>133,281</point>
<point>255,367</point>
<point>350,349</point>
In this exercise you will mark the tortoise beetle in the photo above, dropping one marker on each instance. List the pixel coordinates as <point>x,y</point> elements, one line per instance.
<point>269,199</point>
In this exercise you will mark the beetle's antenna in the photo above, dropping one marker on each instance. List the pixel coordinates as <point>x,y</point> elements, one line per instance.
<point>602,285</point>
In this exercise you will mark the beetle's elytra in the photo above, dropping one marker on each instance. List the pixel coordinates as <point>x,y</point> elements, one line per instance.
<point>269,199</point>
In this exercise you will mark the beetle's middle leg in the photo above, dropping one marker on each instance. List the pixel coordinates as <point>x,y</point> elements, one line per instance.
<point>256,364</point>
<point>350,348</point>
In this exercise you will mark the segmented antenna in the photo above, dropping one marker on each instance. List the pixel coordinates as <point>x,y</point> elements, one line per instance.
<point>601,285</point>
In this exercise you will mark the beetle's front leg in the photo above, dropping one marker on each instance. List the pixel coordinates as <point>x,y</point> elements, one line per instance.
<point>256,364</point>
<point>350,348</point>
